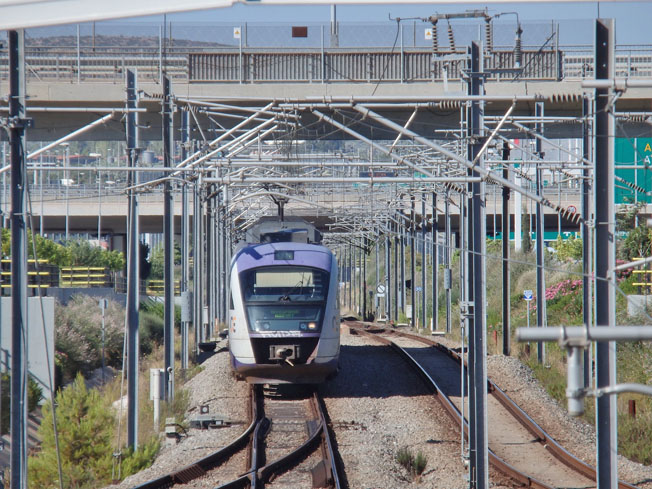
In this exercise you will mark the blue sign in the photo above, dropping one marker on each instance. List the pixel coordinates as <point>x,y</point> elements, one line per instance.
<point>527,295</point>
<point>418,289</point>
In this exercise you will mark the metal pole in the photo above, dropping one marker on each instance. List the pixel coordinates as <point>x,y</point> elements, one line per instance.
<point>364,280</point>
<point>66,177</point>
<point>185,242</point>
<point>41,218</point>
<point>196,265</point>
<point>388,278</point>
<point>505,245</point>
<point>133,261</point>
<point>403,291</point>
<point>350,262</point>
<point>99,206</point>
<point>435,265</point>
<point>479,462</point>
<point>219,255</point>
<point>356,278</point>
<point>424,287</point>
<point>605,296</point>
<point>541,279</point>
<point>227,235</point>
<point>396,303</point>
<point>586,235</point>
<point>377,300</point>
<point>413,264</point>
<point>168,247</point>
<point>209,272</point>
<point>78,56</point>
<point>18,416</point>
<point>447,260</point>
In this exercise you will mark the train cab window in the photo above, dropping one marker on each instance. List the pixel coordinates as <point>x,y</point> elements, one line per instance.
<point>285,298</point>
<point>285,284</point>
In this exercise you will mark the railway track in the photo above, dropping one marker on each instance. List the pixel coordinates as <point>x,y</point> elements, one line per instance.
<point>289,445</point>
<point>518,447</point>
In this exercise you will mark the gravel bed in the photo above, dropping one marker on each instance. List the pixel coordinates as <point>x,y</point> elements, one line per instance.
<point>376,406</point>
<point>575,435</point>
<point>226,398</point>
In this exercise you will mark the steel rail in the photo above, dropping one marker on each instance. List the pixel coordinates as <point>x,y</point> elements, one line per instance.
<point>199,468</point>
<point>258,476</point>
<point>523,418</point>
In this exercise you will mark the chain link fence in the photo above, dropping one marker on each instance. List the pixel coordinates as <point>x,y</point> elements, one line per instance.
<point>307,52</point>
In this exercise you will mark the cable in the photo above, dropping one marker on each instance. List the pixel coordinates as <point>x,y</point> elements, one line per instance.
<point>389,58</point>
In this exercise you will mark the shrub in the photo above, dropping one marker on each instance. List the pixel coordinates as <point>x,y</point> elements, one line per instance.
<point>568,249</point>
<point>135,461</point>
<point>151,332</point>
<point>84,444</point>
<point>414,464</point>
<point>34,396</point>
<point>78,339</point>
<point>634,436</point>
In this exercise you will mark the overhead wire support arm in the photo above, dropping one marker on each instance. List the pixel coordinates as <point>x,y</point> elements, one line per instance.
<point>484,173</point>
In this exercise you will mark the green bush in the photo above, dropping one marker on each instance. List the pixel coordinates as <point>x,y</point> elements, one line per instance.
<point>78,339</point>
<point>151,331</point>
<point>135,461</point>
<point>86,427</point>
<point>414,464</point>
<point>34,396</point>
<point>634,435</point>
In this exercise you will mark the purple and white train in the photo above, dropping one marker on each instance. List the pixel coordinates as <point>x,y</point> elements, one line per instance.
<point>284,322</point>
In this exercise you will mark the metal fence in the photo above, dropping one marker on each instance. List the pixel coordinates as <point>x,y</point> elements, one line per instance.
<point>248,53</point>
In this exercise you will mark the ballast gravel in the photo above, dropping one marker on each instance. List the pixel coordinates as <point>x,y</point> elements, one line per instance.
<point>376,407</point>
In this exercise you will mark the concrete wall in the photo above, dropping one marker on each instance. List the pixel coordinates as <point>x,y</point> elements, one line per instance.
<point>40,340</point>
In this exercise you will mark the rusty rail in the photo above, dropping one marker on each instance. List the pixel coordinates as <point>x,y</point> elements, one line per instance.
<point>258,476</point>
<point>200,467</point>
<point>542,437</point>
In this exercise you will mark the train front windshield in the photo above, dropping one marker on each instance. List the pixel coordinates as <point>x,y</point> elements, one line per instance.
<point>285,298</point>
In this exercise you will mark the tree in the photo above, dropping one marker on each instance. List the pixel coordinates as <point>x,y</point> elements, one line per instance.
<point>34,396</point>
<point>85,444</point>
<point>145,265</point>
<point>78,339</point>
<point>527,238</point>
<point>158,260</point>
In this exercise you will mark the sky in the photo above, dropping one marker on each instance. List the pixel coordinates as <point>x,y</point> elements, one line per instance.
<point>632,18</point>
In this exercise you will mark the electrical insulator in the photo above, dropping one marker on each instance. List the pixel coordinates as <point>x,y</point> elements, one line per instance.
<point>435,41</point>
<point>488,35</point>
<point>451,37</point>
<point>518,52</point>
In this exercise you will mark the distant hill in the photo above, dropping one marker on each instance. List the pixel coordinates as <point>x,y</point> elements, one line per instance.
<point>103,42</point>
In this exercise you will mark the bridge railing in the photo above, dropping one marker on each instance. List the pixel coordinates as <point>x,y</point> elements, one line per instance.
<point>323,66</point>
<point>362,65</point>
<point>306,65</point>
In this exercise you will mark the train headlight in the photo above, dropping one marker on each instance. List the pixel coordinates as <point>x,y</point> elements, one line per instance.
<point>303,326</point>
<point>312,325</point>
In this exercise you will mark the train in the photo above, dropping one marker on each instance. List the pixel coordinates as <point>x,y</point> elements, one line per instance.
<point>284,318</point>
